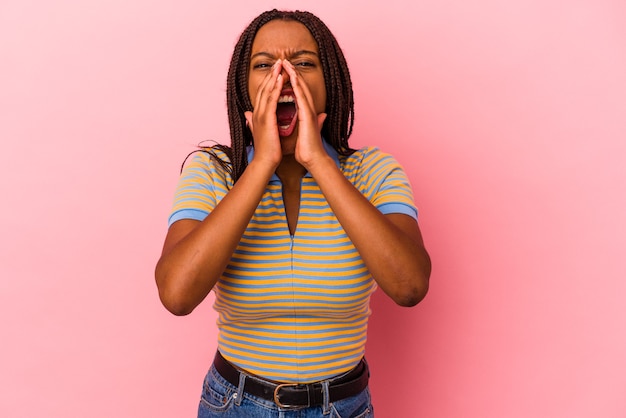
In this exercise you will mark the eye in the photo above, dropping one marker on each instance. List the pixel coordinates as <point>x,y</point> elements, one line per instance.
<point>304,64</point>
<point>261,65</point>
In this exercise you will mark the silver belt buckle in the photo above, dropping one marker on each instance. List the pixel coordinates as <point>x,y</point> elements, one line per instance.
<point>277,398</point>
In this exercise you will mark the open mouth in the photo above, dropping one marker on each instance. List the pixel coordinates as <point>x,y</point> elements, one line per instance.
<point>286,114</point>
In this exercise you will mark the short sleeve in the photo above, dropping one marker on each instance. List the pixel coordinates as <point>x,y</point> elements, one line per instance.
<point>202,184</point>
<point>383,181</point>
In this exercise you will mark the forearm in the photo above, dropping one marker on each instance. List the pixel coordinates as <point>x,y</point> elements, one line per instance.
<point>194,257</point>
<point>391,246</point>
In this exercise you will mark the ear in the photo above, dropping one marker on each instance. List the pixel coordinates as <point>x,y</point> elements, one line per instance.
<point>320,120</point>
<point>248,116</point>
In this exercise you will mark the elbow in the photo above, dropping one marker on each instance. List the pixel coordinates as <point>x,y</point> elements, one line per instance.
<point>173,298</point>
<point>414,289</point>
<point>175,305</point>
<point>175,302</point>
<point>411,296</point>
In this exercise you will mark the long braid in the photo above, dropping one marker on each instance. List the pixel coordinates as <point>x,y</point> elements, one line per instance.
<point>340,102</point>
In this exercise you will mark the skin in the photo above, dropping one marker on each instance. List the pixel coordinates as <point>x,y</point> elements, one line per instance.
<point>285,56</point>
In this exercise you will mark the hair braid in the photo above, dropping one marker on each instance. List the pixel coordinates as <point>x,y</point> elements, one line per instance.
<point>339,104</point>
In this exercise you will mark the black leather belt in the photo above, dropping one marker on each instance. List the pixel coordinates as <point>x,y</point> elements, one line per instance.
<point>296,395</point>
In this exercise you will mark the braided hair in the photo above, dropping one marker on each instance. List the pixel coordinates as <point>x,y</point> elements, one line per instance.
<point>339,104</point>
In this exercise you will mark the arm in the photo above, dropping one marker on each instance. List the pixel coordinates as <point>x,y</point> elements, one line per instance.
<point>195,253</point>
<point>390,245</point>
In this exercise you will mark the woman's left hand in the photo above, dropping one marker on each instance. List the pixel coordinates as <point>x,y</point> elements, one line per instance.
<point>309,146</point>
<point>378,238</point>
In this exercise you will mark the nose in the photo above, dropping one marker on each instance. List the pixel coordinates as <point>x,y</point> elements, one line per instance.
<point>285,75</point>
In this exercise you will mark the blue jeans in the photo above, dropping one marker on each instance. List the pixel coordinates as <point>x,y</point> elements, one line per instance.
<point>223,400</point>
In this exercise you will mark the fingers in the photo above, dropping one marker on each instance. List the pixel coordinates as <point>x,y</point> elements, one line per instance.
<point>269,90</point>
<point>262,119</point>
<point>304,98</point>
<point>300,89</point>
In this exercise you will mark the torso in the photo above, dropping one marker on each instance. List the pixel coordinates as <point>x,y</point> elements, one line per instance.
<point>293,302</point>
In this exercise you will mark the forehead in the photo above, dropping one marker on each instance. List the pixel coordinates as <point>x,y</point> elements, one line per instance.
<point>283,35</point>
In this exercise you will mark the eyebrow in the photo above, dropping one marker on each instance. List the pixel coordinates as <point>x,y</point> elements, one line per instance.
<point>295,54</point>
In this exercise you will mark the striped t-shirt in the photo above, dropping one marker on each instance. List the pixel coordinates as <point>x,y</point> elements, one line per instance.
<point>294,308</point>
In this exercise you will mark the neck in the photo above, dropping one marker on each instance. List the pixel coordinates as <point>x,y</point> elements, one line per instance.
<point>290,171</point>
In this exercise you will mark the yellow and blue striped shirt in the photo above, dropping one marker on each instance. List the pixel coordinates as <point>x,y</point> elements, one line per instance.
<point>294,308</point>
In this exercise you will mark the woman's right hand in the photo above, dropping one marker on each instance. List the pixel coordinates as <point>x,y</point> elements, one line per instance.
<point>195,253</point>
<point>262,120</point>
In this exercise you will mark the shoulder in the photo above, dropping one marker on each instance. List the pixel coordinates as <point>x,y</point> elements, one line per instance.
<point>207,156</point>
<point>367,158</point>
<point>211,162</point>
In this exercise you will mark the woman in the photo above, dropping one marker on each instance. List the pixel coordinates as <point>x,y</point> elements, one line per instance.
<point>292,230</point>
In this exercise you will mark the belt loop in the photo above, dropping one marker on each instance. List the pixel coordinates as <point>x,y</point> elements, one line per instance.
<point>239,394</point>
<point>325,397</point>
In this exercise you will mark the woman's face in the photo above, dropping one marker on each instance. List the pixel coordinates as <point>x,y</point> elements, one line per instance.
<point>292,41</point>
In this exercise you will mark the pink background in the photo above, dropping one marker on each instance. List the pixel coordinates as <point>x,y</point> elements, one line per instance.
<point>510,118</point>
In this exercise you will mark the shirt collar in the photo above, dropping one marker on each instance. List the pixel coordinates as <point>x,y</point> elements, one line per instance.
<point>329,149</point>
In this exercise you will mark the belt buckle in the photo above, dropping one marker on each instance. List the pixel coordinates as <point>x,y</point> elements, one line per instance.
<point>277,398</point>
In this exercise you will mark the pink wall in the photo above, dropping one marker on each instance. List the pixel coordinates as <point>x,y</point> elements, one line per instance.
<point>510,118</point>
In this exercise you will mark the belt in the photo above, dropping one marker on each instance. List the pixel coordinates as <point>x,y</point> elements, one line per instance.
<point>296,395</point>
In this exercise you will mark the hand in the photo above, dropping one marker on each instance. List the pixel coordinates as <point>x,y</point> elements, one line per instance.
<point>309,146</point>
<point>262,121</point>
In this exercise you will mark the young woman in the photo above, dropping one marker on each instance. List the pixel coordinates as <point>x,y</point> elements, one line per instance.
<point>293,230</point>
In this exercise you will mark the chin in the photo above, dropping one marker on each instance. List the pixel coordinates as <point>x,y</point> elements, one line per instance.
<point>290,151</point>
<point>288,143</point>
